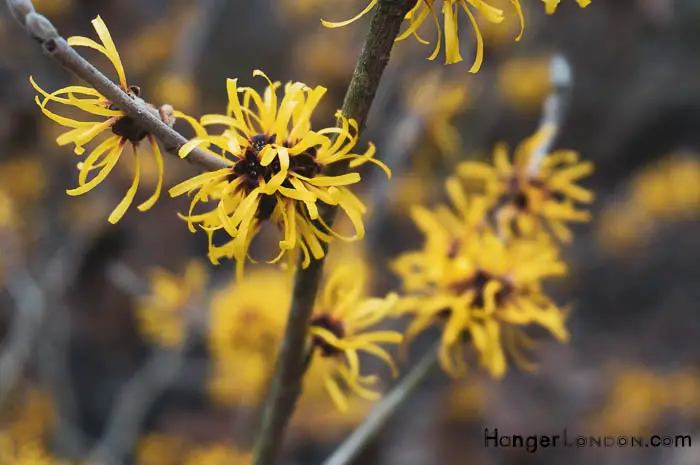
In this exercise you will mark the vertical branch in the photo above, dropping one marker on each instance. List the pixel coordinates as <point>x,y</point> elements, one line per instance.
<point>285,386</point>
<point>553,108</point>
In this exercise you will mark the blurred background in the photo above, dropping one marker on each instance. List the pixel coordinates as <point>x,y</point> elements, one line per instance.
<point>94,364</point>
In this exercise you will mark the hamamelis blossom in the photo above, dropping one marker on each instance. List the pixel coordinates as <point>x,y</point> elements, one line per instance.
<point>550,6</point>
<point>533,191</point>
<point>276,171</point>
<point>104,157</point>
<point>425,9</point>
<point>479,287</point>
<point>338,332</point>
<point>164,314</point>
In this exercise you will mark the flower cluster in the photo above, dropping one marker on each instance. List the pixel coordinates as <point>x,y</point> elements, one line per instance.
<point>276,163</point>
<point>480,273</point>
<point>245,331</point>
<point>423,10</point>
<point>482,267</point>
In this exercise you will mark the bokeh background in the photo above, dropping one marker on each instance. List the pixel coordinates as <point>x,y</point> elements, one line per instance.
<point>83,371</point>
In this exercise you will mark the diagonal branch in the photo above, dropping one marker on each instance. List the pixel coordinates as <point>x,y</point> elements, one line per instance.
<point>285,386</point>
<point>56,48</point>
<point>383,411</point>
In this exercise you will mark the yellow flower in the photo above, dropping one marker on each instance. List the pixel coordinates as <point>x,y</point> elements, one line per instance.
<point>338,333</point>
<point>25,452</point>
<point>124,129</point>
<point>480,286</point>
<point>239,378</point>
<point>550,6</point>
<point>276,163</point>
<point>450,9</point>
<point>24,178</point>
<point>163,315</point>
<point>53,8</point>
<point>244,335</point>
<point>160,449</point>
<point>525,82</point>
<point>437,101</point>
<point>8,211</point>
<point>179,90</point>
<point>639,398</point>
<point>218,454</point>
<point>670,189</point>
<point>530,190</point>
<point>666,191</point>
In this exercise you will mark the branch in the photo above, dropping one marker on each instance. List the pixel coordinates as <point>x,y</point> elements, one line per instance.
<point>56,48</point>
<point>157,374</point>
<point>285,386</point>
<point>383,411</point>
<point>132,406</point>
<point>553,108</point>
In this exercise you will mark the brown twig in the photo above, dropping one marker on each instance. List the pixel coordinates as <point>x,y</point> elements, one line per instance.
<point>285,386</point>
<point>56,47</point>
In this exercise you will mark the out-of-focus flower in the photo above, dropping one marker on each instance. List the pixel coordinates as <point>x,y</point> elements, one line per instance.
<point>276,163</point>
<point>218,454</point>
<point>160,449</point>
<point>8,211</point>
<point>25,452</point>
<point>242,319</point>
<point>179,90</point>
<point>327,59</point>
<point>30,416</point>
<point>163,449</point>
<point>338,332</point>
<point>525,82</point>
<point>436,101</point>
<point>535,188</point>
<point>413,188</point>
<point>23,178</point>
<point>299,10</point>
<point>639,398</point>
<point>124,129</point>
<point>479,285</point>
<point>164,314</point>
<point>667,191</point>
<point>53,8</point>
<point>550,6</point>
<point>152,45</point>
<point>466,400</point>
<point>244,336</point>
<point>239,378</point>
<point>424,9</point>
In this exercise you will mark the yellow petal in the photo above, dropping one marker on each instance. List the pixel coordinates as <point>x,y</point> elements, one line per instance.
<point>120,209</point>
<point>111,159</point>
<point>111,49</point>
<point>146,205</point>
<point>351,20</point>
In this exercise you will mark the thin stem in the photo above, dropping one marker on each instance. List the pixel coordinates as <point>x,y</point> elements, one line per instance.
<point>553,108</point>
<point>285,385</point>
<point>56,47</point>
<point>385,409</point>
